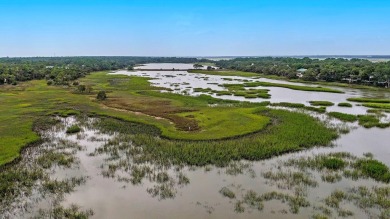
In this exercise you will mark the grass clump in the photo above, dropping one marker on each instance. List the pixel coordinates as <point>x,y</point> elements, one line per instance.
<point>73,129</point>
<point>291,86</point>
<point>343,116</point>
<point>344,104</point>
<point>384,106</point>
<point>374,169</point>
<point>292,131</point>
<point>368,121</point>
<point>290,105</point>
<point>226,192</point>
<point>321,103</point>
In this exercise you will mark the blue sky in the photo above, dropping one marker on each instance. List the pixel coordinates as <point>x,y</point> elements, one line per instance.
<point>194,27</point>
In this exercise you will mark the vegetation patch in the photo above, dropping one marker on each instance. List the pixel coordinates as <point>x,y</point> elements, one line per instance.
<point>292,131</point>
<point>344,104</point>
<point>373,169</point>
<point>343,116</point>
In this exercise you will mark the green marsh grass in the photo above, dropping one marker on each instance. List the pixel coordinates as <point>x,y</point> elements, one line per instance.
<point>321,103</point>
<point>344,104</point>
<point>369,100</point>
<point>293,87</point>
<point>290,132</point>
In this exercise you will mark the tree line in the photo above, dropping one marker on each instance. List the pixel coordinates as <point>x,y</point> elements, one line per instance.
<point>359,71</point>
<point>63,70</point>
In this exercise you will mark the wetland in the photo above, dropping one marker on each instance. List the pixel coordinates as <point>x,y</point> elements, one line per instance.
<point>174,144</point>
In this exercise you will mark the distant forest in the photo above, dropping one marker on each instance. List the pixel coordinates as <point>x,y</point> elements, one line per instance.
<point>357,71</point>
<point>63,70</point>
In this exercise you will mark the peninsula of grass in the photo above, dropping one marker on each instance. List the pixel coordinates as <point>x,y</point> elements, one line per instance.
<point>343,116</point>
<point>384,106</point>
<point>321,103</point>
<point>291,86</point>
<point>369,100</point>
<point>73,129</point>
<point>344,104</point>
<point>289,105</point>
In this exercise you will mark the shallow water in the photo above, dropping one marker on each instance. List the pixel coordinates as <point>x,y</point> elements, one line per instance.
<point>112,195</point>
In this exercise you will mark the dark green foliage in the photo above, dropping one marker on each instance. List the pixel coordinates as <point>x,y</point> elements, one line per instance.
<point>110,125</point>
<point>293,131</point>
<point>290,105</point>
<point>64,70</point>
<point>321,103</point>
<point>101,95</point>
<point>358,71</point>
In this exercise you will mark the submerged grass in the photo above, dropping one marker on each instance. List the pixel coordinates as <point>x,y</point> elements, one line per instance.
<point>73,129</point>
<point>343,116</point>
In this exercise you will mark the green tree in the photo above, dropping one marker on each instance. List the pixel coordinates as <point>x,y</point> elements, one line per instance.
<point>101,95</point>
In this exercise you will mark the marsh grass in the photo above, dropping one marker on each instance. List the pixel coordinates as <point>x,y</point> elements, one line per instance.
<point>369,100</point>
<point>344,104</point>
<point>73,129</point>
<point>321,103</point>
<point>290,86</point>
<point>343,116</point>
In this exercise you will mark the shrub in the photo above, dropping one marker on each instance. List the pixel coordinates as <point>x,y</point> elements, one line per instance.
<point>101,95</point>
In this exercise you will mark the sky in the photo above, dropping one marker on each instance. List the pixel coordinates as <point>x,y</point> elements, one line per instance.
<point>194,27</point>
